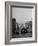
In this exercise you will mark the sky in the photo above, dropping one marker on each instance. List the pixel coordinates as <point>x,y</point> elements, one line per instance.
<point>22,15</point>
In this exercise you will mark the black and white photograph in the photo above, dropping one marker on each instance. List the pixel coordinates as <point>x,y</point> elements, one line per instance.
<point>20,22</point>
